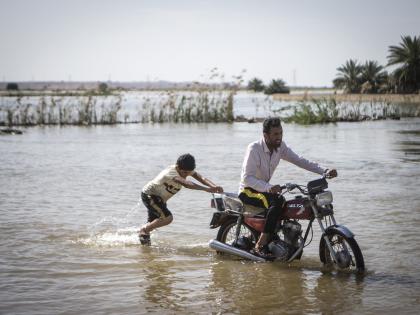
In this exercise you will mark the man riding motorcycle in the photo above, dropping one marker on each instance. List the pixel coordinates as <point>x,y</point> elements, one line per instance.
<point>260,162</point>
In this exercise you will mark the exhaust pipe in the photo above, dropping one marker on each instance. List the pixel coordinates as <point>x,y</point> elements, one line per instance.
<point>225,248</point>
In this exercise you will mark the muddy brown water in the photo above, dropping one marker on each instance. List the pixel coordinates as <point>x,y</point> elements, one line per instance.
<point>69,215</point>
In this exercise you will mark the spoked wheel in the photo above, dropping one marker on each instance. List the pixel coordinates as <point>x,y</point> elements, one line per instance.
<point>227,234</point>
<point>349,255</point>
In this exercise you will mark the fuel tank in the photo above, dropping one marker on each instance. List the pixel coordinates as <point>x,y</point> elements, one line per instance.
<point>298,208</point>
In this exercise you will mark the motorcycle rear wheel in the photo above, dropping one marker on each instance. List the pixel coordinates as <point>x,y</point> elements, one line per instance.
<point>227,233</point>
<point>348,251</point>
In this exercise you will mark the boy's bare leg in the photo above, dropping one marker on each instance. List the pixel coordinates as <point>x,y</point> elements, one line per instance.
<point>148,227</point>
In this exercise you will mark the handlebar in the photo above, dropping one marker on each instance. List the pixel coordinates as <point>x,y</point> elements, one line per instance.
<point>290,186</point>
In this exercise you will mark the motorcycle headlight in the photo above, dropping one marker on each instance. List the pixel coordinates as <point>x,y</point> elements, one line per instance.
<point>324,198</point>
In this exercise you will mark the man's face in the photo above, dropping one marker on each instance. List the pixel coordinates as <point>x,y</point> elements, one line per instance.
<point>274,137</point>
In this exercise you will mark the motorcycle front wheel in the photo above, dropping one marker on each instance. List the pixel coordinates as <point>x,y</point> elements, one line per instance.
<point>349,255</point>
<point>227,233</point>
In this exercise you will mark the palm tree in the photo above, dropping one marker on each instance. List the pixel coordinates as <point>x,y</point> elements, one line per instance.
<point>373,75</point>
<point>276,86</point>
<point>407,56</point>
<point>256,85</point>
<point>349,76</point>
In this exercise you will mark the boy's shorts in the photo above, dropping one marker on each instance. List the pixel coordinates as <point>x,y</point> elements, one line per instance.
<point>156,207</point>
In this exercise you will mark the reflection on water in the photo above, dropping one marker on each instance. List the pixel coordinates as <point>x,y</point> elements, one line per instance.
<point>249,287</point>
<point>410,132</point>
<point>69,221</point>
<point>410,145</point>
<point>158,280</point>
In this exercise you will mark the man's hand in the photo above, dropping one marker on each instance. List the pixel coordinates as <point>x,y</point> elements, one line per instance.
<point>216,189</point>
<point>276,189</point>
<point>331,173</point>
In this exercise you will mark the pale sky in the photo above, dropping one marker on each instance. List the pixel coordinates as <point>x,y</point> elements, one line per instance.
<point>302,41</point>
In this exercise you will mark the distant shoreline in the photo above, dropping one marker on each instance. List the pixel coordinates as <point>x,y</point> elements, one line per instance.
<point>353,98</point>
<point>296,95</point>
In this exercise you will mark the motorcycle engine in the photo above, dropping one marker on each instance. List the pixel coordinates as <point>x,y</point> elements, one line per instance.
<point>280,249</point>
<point>291,231</point>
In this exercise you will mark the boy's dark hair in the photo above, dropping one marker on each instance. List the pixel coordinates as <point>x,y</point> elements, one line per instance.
<point>186,162</point>
<point>271,122</point>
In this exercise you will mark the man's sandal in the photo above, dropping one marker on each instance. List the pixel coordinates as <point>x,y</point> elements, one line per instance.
<point>263,253</point>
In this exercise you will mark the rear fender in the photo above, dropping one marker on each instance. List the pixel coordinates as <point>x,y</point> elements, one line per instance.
<point>219,218</point>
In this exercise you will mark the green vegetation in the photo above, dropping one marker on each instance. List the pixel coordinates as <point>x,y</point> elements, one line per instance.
<point>276,86</point>
<point>12,86</point>
<point>202,103</point>
<point>198,107</point>
<point>103,89</point>
<point>315,112</point>
<point>371,77</point>
<point>329,111</point>
<point>349,76</point>
<point>54,111</point>
<point>256,85</point>
<point>356,78</point>
<point>407,57</point>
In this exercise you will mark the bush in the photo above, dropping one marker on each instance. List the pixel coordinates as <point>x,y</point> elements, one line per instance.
<point>12,87</point>
<point>256,85</point>
<point>277,86</point>
<point>315,112</point>
<point>103,88</point>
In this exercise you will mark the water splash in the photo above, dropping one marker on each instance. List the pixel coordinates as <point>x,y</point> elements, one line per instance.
<point>113,231</point>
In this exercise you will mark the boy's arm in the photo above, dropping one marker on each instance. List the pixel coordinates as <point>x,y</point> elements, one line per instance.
<point>207,182</point>
<point>192,185</point>
<point>203,180</point>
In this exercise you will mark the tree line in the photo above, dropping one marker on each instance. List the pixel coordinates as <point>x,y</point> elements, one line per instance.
<point>275,86</point>
<point>370,76</point>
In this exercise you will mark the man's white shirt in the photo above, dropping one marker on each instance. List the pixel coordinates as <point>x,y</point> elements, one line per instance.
<point>259,165</point>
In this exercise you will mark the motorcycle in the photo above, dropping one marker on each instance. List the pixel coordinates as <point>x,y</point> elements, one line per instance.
<point>240,226</point>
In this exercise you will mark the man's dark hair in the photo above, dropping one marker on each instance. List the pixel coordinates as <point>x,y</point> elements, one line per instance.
<point>186,162</point>
<point>271,122</point>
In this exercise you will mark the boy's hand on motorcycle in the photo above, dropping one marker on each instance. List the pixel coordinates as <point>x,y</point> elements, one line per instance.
<point>276,189</point>
<point>331,173</point>
<point>216,189</point>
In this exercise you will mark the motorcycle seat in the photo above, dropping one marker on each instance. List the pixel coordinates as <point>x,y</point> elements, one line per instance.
<point>232,202</point>
<point>252,211</point>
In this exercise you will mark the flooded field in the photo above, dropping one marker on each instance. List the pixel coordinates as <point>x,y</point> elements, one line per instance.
<point>69,215</point>
<point>195,106</point>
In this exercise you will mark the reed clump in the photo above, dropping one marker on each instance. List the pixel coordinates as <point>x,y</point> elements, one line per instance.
<point>201,103</point>
<point>190,107</point>
<point>328,110</point>
<point>59,111</point>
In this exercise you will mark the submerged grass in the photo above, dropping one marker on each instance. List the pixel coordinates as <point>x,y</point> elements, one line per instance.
<point>55,111</point>
<point>328,110</point>
<point>201,103</point>
<point>198,107</point>
<point>318,111</point>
